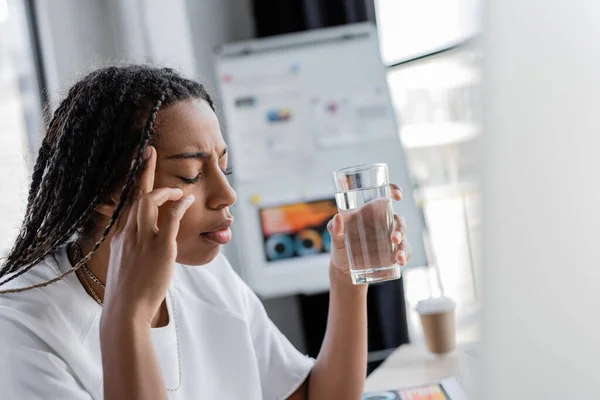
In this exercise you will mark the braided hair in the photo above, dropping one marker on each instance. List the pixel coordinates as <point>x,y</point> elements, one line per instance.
<point>106,120</point>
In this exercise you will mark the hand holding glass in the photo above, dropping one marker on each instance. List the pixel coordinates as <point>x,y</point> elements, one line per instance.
<point>364,200</point>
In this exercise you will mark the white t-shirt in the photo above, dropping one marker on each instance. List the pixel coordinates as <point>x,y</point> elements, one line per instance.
<point>219,343</point>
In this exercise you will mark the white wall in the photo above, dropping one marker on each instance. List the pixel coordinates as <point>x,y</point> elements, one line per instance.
<point>541,191</point>
<point>215,22</point>
<point>76,35</point>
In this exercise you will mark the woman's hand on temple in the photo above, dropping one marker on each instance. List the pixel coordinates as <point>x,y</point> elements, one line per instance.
<point>144,248</point>
<point>339,258</point>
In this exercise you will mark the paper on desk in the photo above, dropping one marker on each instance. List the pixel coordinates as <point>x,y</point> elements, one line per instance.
<point>448,389</point>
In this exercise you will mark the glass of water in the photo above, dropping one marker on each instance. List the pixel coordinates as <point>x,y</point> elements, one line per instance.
<point>364,200</point>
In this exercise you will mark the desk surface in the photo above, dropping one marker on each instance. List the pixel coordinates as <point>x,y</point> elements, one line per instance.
<point>412,365</point>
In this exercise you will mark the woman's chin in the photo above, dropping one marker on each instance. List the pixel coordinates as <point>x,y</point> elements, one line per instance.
<point>198,257</point>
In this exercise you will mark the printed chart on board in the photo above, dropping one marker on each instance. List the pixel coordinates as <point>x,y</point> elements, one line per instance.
<point>298,107</point>
<point>282,112</point>
<point>270,123</point>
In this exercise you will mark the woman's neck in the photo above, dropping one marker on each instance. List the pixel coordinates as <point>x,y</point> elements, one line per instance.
<point>98,265</point>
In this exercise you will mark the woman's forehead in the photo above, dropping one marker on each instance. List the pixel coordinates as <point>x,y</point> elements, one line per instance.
<point>187,126</point>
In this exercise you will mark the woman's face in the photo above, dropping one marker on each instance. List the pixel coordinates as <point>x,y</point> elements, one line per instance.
<point>192,156</point>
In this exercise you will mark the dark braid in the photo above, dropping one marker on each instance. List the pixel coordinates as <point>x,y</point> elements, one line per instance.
<point>52,178</point>
<point>86,156</point>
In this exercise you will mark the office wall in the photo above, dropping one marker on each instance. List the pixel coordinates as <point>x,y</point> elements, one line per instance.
<point>541,197</point>
<point>215,22</point>
<point>75,35</point>
<point>79,35</point>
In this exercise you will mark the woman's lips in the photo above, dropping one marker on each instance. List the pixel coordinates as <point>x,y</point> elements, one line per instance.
<point>221,236</point>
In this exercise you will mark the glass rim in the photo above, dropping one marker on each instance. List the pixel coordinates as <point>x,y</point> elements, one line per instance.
<point>359,168</point>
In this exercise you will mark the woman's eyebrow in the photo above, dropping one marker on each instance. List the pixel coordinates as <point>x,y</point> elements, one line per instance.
<point>200,155</point>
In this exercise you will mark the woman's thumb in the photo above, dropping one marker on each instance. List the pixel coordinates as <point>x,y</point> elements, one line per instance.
<point>336,231</point>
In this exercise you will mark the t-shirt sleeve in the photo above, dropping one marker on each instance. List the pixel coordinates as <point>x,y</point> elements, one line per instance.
<point>29,368</point>
<point>282,367</point>
<point>35,374</point>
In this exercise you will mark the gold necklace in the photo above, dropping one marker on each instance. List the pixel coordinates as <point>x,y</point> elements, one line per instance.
<point>93,277</point>
<point>86,271</point>
<point>91,289</point>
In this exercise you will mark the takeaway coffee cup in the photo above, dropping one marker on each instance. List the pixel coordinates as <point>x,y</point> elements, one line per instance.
<point>437,318</point>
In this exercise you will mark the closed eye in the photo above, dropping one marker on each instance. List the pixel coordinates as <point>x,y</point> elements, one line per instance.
<point>190,181</point>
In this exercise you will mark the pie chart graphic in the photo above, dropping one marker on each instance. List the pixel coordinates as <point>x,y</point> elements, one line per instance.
<point>308,242</point>
<point>279,247</point>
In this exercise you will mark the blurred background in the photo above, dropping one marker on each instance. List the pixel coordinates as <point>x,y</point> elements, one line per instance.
<point>409,83</point>
<point>430,59</point>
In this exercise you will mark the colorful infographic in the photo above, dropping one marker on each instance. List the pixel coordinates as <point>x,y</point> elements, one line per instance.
<point>279,115</point>
<point>297,230</point>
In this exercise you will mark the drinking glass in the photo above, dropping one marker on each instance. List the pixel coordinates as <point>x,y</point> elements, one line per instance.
<point>364,200</point>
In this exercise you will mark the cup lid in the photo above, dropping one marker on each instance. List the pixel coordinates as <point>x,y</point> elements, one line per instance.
<point>434,305</point>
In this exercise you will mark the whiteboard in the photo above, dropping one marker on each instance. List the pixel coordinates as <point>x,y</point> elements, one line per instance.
<point>296,108</point>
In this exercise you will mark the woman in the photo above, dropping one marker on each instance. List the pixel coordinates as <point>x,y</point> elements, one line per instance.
<point>97,299</point>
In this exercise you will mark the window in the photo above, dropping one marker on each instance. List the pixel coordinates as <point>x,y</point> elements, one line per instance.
<point>411,28</point>
<point>20,116</point>
<point>434,80</point>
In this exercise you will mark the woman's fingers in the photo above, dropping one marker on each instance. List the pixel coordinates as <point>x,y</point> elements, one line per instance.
<point>146,183</point>
<point>169,225</point>
<point>403,253</point>
<point>129,218</point>
<point>396,192</point>
<point>403,249</point>
<point>399,229</point>
<point>399,235</point>
<point>147,214</point>
<point>399,239</point>
<point>131,224</point>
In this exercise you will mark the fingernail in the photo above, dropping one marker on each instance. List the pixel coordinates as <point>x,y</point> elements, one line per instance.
<point>398,236</point>
<point>189,197</point>
<point>330,224</point>
<point>147,153</point>
<point>403,254</point>
<point>336,220</point>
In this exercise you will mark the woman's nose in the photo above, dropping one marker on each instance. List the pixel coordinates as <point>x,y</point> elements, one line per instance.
<point>222,194</point>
